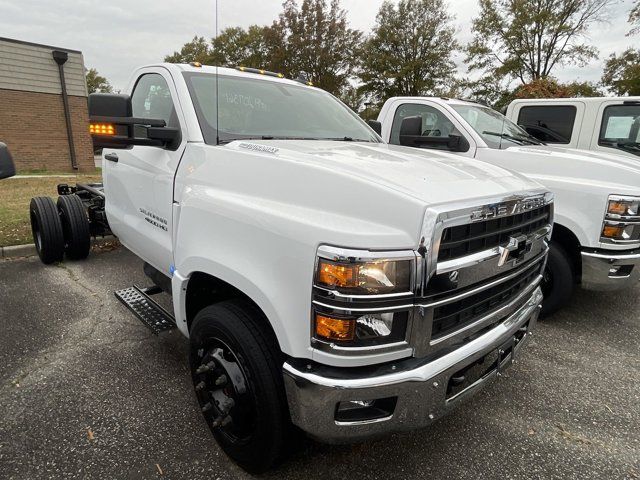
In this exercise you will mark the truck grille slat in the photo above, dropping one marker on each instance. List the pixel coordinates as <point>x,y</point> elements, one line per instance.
<point>463,240</point>
<point>453,316</point>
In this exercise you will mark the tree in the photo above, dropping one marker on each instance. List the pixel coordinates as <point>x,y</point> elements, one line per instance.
<point>634,18</point>
<point>527,39</point>
<point>409,51</point>
<point>197,50</point>
<point>314,39</point>
<point>97,83</point>
<point>622,73</point>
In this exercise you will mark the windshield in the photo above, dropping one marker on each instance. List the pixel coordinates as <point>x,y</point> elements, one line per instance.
<point>495,129</point>
<point>251,108</point>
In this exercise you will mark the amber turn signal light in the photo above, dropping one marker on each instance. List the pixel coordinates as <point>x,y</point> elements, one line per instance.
<point>337,275</point>
<point>612,232</point>
<point>101,129</point>
<point>618,208</point>
<point>335,328</point>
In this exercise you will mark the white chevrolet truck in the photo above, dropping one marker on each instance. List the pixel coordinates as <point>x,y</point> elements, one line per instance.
<point>596,234</point>
<point>327,282</point>
<point>601,124</point>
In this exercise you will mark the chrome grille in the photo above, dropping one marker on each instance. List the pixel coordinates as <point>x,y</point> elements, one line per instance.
<point>462,240</point>
<point>456,315</point>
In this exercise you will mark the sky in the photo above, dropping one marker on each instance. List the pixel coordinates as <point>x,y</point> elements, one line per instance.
<point>118,36</point>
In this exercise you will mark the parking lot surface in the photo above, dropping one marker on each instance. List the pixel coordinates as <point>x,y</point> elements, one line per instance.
<point>86,391</point>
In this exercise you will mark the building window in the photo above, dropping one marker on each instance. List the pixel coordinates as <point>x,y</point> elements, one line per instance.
<point>549,123</point>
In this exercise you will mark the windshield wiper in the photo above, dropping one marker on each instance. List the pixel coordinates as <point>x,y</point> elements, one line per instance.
<point>345,139</point>
<point>520,140</point>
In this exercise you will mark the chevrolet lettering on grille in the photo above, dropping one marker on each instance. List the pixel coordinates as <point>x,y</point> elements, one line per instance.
<point>501,210</point>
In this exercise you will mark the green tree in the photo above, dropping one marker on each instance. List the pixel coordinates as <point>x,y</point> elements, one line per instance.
<point>315,39</point>
<point>409,50</point>
<point>634,18</point>
<point>97,83</point>
<point>622,73</point>
<point>527,39</point>
<point>197,50</point>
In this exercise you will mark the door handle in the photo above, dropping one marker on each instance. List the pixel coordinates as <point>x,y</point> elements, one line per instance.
<point>112,157</point>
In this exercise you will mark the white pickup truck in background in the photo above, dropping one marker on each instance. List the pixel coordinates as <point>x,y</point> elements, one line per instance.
<point>596,237</point>
<point>601,124</point>
<point>324,279</point>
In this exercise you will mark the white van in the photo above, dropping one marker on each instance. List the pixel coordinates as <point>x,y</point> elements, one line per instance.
<point>604,124</point>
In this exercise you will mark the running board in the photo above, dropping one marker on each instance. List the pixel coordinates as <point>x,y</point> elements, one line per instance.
<point>152,315</point>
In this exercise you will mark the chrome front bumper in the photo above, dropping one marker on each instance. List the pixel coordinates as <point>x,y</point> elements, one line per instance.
<point>420,389</point>
<point>610,270</point>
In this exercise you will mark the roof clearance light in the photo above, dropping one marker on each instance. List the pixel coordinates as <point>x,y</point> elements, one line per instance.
<point>101,129</point>
<point>195,64</point>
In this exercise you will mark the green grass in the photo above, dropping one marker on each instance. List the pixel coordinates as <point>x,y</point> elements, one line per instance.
<point>15,195</point>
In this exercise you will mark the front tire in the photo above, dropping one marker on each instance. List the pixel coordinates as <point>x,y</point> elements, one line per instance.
<point>559,281</point>
<point>236,368</point>
<point>46,229</point>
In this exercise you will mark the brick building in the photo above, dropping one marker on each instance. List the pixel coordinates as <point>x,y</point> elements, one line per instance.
<point>43,107</point>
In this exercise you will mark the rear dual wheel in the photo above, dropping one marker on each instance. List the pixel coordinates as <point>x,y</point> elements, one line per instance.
<point>60,229</point>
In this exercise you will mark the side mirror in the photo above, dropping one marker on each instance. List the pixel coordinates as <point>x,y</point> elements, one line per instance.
<point>411,136</point>
<point>112,125</point>
<point>7,167</point>
<point>376,126</point>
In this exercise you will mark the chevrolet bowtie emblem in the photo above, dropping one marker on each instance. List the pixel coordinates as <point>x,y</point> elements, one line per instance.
<point>515,249</point>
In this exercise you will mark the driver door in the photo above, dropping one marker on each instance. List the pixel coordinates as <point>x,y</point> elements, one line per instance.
<point>139,180</point>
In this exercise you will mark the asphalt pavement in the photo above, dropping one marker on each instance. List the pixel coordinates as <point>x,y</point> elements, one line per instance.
<point>86,391</point>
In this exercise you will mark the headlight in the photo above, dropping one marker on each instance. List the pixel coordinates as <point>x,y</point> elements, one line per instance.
<point>622,220</point>
<point>378,277</point>
<point>348,283</point>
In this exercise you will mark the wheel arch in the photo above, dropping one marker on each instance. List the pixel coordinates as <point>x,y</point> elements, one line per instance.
<point>568,240</point>
<point>202,289</point>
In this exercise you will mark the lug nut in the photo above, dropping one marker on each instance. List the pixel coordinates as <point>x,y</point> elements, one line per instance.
<point>205,367</point>
<point>221,380</point>
<point>207,407</point>
<point>200,386</point>
<point>221,421</point>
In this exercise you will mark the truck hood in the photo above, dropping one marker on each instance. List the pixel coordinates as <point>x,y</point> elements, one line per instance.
<point>612,172</point>
<point>430,176</point>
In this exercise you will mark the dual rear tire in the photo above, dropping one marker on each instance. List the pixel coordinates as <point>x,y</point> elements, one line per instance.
<point>60,229</point>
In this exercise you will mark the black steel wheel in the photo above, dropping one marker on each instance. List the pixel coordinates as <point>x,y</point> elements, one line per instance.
<point>558,281</point>
<point>46,229</point>
<point>75,226</point>
<point>236,368</point>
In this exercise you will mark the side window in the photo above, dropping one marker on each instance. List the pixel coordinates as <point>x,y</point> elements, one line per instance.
<point>151,98</point>
<point>550,124</point>
<point>434,122</point>
<point>620,124</point>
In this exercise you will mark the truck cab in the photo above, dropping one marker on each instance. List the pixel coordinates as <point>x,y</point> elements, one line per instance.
<point>324,279</point>
<point>596,239</point>
<point>601,124</point>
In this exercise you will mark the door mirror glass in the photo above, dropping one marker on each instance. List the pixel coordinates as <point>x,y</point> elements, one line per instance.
<point>7,167</point>
<point>411,135</point>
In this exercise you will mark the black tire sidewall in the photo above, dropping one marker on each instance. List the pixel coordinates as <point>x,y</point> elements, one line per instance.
<point>559,267</point>
<point>75,227</point>
<point>263,372</point>
<point>45,221</point>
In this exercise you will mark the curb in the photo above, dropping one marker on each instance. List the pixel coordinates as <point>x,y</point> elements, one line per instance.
<point>29,250</point>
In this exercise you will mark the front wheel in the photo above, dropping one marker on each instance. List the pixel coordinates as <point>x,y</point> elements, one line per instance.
<point>558,282</point>
<point>237,375</point>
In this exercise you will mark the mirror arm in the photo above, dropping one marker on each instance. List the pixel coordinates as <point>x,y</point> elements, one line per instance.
<point>152,122</point>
